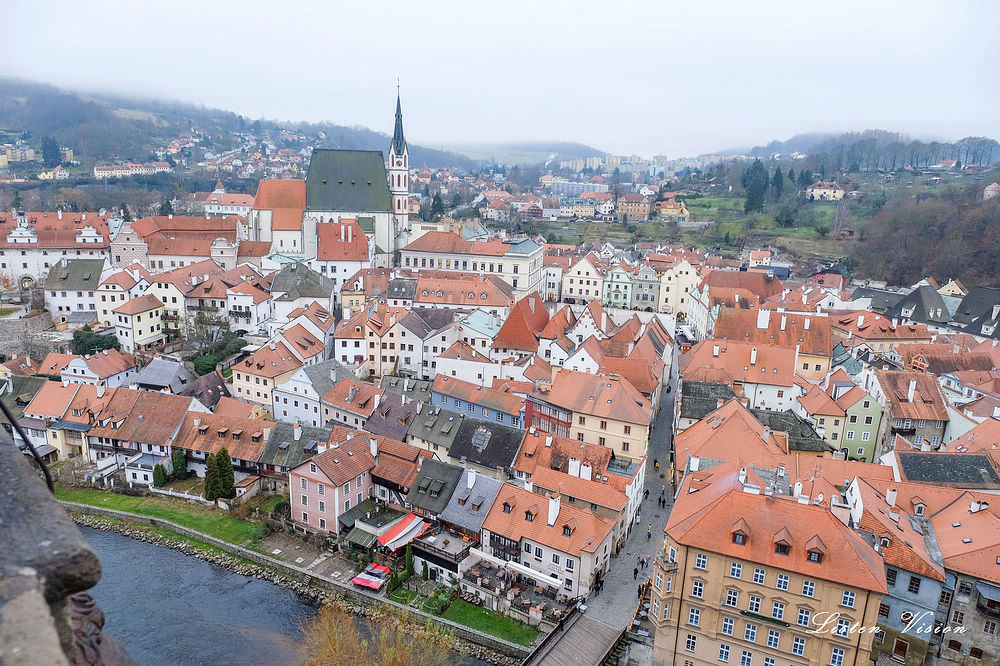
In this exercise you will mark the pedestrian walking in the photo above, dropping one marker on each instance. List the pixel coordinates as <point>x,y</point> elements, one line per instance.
<point>656,464</point>
<point>635,573</point>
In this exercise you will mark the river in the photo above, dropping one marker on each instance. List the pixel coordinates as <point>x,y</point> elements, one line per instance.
<point>173,609</point>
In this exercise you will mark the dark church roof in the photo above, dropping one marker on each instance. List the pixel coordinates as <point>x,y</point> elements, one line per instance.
<point>348,180</point>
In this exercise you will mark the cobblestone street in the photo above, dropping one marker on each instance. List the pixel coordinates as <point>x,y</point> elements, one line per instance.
<point>617,603</point>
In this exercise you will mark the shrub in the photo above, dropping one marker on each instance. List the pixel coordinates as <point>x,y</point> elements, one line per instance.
<point>283,508</point>
<point>409,560</point>
<point>180,464</point>
<point>212,485</point>
<point>159,476</point>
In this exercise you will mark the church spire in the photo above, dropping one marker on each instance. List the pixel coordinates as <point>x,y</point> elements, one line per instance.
<point>398,142</point>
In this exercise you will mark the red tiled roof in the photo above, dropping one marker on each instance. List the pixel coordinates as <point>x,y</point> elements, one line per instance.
<point>333,243</point>
<point>139,304</point>
<point>267,362</point>
<point>597,395</point>
<point>353,396</point>
<point>525,322</point>
<point>503,401</point>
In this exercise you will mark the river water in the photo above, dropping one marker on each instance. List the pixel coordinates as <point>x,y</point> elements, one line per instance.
<point>171,609</point>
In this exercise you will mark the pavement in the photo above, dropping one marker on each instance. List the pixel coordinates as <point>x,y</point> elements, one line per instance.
<point>616,604</point>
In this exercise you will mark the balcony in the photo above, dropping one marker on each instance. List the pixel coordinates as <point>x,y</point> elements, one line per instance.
<point>445,545</point>
<point>241,314</point>
<point>166,316</point>
<point>988,608</point>
<point>765,618</point>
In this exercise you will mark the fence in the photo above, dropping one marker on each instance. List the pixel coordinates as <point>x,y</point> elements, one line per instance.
<point>187,496</point>
<point>357,595</point>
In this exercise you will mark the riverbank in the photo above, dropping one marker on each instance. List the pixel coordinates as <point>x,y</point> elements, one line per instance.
<point>306,590</point>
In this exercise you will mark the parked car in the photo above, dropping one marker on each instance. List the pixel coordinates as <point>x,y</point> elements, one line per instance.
<point>373,577</point>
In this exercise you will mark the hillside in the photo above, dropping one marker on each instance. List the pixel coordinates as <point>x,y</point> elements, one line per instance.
<point>102,127</point>
<point>533,153</point>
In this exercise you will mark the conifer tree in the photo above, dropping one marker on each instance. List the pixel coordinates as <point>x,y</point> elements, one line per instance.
<point>777,183</point>
<point>211,492</point>
<point>224,468</point>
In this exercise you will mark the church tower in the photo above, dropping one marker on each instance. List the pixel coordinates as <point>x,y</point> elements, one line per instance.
<point>399,176</point>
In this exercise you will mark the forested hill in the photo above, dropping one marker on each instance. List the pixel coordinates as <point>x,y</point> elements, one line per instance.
<point>107,127</point>
<point>953,233</point>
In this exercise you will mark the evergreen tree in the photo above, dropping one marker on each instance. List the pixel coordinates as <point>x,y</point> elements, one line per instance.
<point>777,183</point>
<point>805,179</point>
<point>791,177</point>
<point>456,200</point>
<point>409,559</point>
<point>755,185</point>
<point>50,152</point>
<point>211,492</point>
<point>166,208</point>
<point>16,202</point>
<point>180,464</point>
<point>126,215</point>
<point>227,480</point>
<point>437,206</point>
<point>159,476</point>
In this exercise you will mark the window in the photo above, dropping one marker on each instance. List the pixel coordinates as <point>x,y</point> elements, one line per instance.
<point>320,488</point>
<point>754,605</point>
<point>798,646</point>
<point>883,610</point>
<point>538,553</point>
<point>990,628</point>
<point>914,585</point>
<point>732,597</point>
<point>955,645</point>
<point>691,643</point>
<point>701,561</point>
<point>768,661</point>
<point>843,627</point>
<point>322,506</point>
<point>746,658</point>
<point>976,653</point>
<point>728,624</point>
<point>305,517</point>
<point>555,558</point>
<point>803,617</point>
<point>958,617</point>
<point>739,538</point>
<point>847,599</point>
<point>697,589</point>
<point>945,598</point>
<point>965,587</point>
<point>750,633</point>
<point>781,548</point>
<point>724,653</point>
<point>782,583</point>
<point>735,570</point>
<point>322,523</point>
<point>759,575</point>
<point>304,482</point>
<point>815,556</point>
<point>659,580</point>
<point>808,588</point>
<point>777,610</point>
<point>694,617</point>
<point>773,637</point>
<point>890,576</point>
<point>836,657</point>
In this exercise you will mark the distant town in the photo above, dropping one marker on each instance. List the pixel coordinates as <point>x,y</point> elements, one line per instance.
<point>490,395</point>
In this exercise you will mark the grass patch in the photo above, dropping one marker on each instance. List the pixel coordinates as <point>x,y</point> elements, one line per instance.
<point>191,485</point>
<point>487,621</point>
<point>214,522</point>
<point>6,312</point>
<point>401,595</point>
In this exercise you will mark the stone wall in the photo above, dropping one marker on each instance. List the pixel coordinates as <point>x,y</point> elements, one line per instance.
<point>354,594</point>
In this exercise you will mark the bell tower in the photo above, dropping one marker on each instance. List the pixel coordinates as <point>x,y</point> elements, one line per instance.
<point>399,175</point>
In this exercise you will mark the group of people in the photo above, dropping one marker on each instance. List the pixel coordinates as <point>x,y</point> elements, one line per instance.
<point>641,563</point>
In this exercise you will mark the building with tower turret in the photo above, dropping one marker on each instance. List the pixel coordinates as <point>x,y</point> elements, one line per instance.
<point>399,173</point>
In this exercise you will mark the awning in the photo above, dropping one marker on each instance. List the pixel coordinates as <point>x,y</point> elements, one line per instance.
<point>403,532</point>
<point>360,537</point>
<point>991,592</point>
<point>536,576</point>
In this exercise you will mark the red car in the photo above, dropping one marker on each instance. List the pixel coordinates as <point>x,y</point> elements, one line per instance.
<point>373,577</point>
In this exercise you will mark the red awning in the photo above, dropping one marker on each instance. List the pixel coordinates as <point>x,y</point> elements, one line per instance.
<point>403,532</point>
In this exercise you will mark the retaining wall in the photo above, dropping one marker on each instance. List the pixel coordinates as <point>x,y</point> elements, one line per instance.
<point>355,594</point>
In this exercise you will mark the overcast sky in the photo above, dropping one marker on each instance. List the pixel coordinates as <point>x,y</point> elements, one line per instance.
<point>675,78</point>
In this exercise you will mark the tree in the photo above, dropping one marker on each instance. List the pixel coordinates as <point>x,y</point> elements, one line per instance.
<point>822,229</point>
<point>50,152</point>
<point>179,460</point>
<point>224,468</point>
<point>785,216</point>
<point>456,200</point>
<point>86,342</point>
<point>16,203</point>
<point>159,476</point>
<point>791,177</point>
<point>777,183</point>
<point>755,184</point>
<point>409,559</point>
<point>126,215</point>
<point>805,179</point>
<point>166,208</point>
<point>211,492</point>
<point>437,206</point>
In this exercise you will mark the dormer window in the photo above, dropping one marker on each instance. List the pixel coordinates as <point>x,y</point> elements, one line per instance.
<point>507,507</point>
<point>739,538</point>
<point>884,542</point>
<point>815,556</point>
<point>567,531</point>
<point>781,548</point>
<point>529,516</point>
<point>202,431</point>
<point>918,510</point>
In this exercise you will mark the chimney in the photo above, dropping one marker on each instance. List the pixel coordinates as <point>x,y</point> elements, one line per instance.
<point>170,216</point>
<point>753,356</point>
<point>267,433</point>
<point>996,313</point>
<point>890,496</point>
<point>59,213</point>
<point>798,488</point>
<point>715,351</point>
<point>65,383</point>
<point>719,402</point>
<point>342,233</point>
<point>694,462</point>
<point>574,467</point>
<point>743,475</point>
<point>604,321</point>
<point>586,472</point>
<point>83,216</point>
<point>548,441</point>
<point>100,390</point>
<point>736,297</point>
<point>197,421</point>
<point>470,479</point>
<point>910,389</point>
<point>805,324</point>
<point>766,434</point>
<point>373,447</point>
<point>783,319</point>
<point>296,432</point>
<point>273,346</point>
<point>553,509</point>
<point>350,232</point>
<point>861,321</point>
<point>763,318</point>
